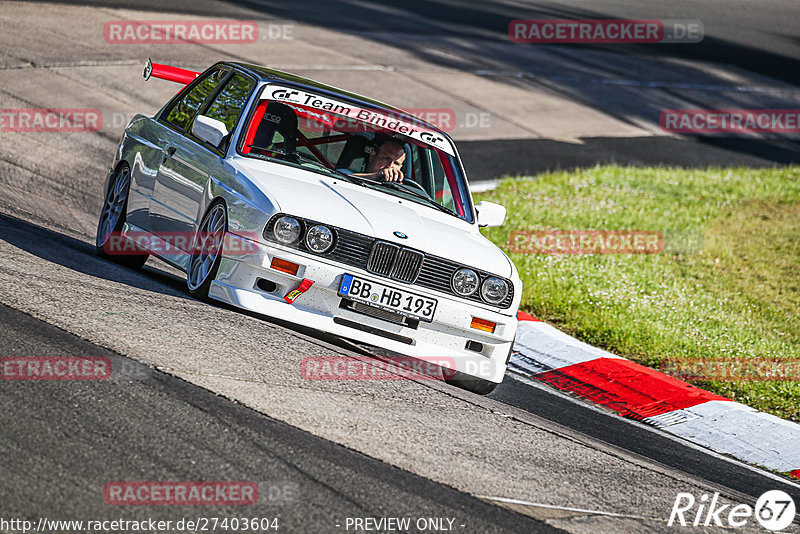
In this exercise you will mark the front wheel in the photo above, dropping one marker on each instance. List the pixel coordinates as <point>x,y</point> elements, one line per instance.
<point>110,243</point>
<point>206,252</point>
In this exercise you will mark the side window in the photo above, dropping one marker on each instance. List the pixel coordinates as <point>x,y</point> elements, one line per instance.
<point>228,104</point>
<point>444,195</point>
<point>183,111</point>
<point>417,164</point>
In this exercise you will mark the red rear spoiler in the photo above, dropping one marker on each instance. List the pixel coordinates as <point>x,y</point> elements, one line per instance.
<point>166,72</point>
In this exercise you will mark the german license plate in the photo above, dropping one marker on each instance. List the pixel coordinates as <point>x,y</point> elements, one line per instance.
<point>387,298</point>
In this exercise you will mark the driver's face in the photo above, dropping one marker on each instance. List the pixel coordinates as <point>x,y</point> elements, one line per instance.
<point>389,155</point>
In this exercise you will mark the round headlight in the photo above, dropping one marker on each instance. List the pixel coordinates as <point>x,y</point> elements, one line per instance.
<point>286,230</point>
<point>465,282</point>
<point>494,290</point>
<point>319,239</point>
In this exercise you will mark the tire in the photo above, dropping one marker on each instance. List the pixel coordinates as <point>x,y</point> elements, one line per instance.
<point>112,217</point>
<point>469,382</point>
<point>206,251</point>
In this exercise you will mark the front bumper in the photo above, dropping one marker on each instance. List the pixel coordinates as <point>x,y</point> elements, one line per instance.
<point>448,338</point>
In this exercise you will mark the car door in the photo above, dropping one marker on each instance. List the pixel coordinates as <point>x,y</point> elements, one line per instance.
<point>185,162</point>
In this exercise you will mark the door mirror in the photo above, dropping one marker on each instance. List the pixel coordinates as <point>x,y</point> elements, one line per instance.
<point>490,214</point>
<point>209,130</point>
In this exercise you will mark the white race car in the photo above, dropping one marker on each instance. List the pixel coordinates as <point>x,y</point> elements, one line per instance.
<point>307,203</point>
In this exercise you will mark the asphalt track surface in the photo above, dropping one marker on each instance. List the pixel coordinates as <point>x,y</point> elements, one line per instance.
<point>182,432</point>
<point>760,36</point>
<point>365,450</point>
<point>753,35</point>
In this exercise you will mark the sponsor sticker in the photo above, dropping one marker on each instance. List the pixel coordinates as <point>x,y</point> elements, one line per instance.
<point>304,286</point>
<point>348,116</point>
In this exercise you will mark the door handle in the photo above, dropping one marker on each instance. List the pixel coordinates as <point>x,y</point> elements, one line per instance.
<point>168,153</point>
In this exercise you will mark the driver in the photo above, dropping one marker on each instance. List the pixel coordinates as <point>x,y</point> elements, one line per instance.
<point>385,162</point>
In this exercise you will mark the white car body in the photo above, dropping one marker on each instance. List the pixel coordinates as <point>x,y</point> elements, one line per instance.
<point>174,180</point>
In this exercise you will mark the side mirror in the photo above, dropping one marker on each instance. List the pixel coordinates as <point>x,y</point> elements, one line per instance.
<point>209,130</point>
<point>490,214</point>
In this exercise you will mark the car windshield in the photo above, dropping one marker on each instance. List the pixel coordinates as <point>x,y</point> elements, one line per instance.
<point>340,139</point>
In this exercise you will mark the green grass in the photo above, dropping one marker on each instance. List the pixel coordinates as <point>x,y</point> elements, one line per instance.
<point>726,285</point>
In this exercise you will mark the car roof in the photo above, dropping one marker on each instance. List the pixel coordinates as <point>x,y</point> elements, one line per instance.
<point>266,74</point>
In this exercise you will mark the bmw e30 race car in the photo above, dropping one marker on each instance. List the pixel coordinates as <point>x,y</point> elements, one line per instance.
<point>263,171</point>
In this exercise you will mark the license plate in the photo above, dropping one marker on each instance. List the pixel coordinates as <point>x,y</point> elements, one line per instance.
<point>387,298</point>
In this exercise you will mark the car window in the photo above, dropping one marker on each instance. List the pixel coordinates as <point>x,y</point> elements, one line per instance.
<point>227,106</point>
<point>185,108</point>
<point>333,137</point>
<point>444,189</point>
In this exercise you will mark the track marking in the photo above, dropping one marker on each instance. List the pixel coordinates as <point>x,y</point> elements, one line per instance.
<point>483,186</point>
<point>672,437</point>
<point>636,83</point>
<point>506,500</point>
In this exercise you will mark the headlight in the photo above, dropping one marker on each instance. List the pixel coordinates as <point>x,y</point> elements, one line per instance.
<point>319,239</point>
<point>494,290</point>
<point>287,230</point>
<point>465,282</point>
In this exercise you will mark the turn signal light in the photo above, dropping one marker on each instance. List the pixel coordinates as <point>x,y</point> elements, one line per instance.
<point>483,324</point>
<point>284,266</point>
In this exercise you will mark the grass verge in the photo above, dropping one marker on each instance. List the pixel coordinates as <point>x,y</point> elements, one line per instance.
<point>726,285</point>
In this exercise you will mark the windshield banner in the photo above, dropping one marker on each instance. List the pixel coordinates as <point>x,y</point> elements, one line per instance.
<point>376,119</point>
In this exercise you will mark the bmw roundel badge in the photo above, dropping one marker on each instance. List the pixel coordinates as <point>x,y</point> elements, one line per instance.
<point>401,235</point>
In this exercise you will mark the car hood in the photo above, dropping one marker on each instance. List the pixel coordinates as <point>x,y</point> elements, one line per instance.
<point>376,214</point>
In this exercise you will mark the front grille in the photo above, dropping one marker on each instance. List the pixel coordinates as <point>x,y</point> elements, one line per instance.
<point>382,257</point>
<point>350,248</point>
<point>436,272</point>
<point>407,266</point>
<point>388,259</point>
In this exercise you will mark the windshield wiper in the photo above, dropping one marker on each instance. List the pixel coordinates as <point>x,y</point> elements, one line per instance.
<point>273,150</point>
<point>414,193</point>
<point>289,156</point>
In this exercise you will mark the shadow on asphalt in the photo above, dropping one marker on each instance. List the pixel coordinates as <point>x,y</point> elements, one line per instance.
<point>466,18</point>
<point>80,256</point>
<point>475,36</point>
<point>487,160</point>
